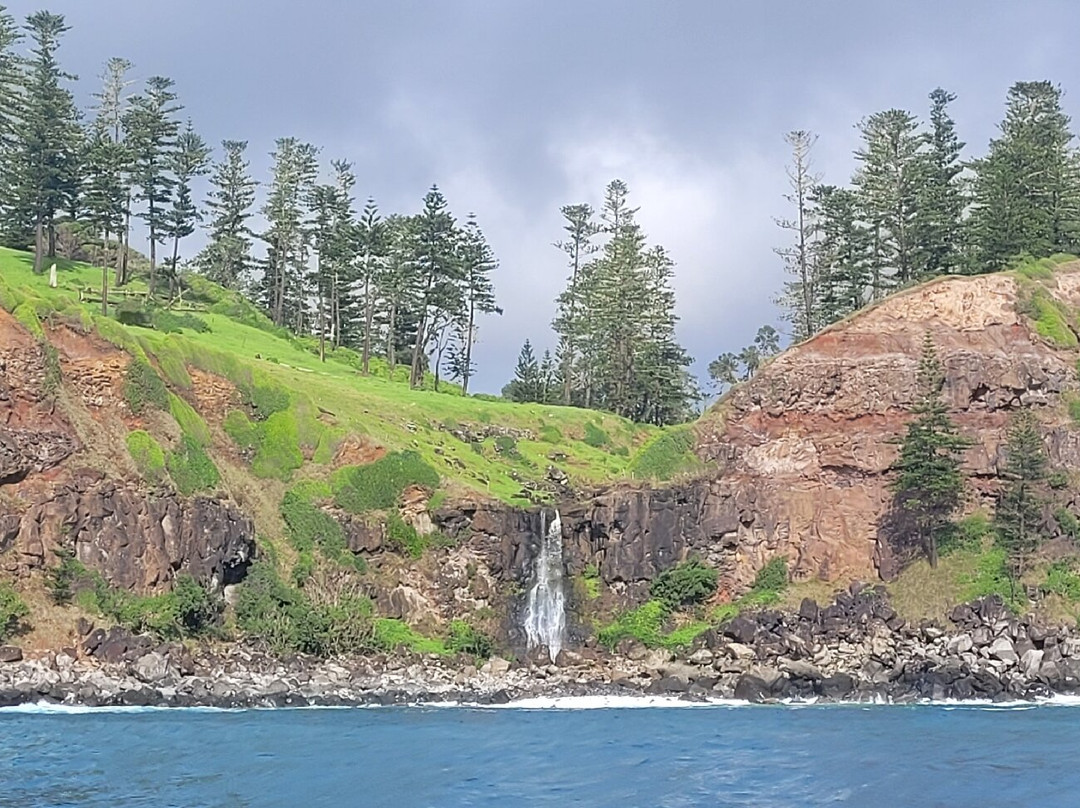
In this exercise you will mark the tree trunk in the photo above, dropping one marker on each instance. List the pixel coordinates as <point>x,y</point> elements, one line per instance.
<point>39,246</point>
<point>369,316</point>
<point>173,279</point>
<point>322,315</point>
<point>416,374</point>
<point>122,259</point>
<point>153,253</point>
<point>391,358</point>
<point>105,275</point>
<point>467,370</point>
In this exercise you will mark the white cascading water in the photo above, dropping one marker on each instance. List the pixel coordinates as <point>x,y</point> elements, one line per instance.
<point>545,613</point>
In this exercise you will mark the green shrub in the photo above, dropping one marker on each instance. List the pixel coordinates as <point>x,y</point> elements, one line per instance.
<point>245,434</point>
<point>191,423</point>
<point>191,468</point>
<point>507,447</point>
<point>169,322</point>
<point>286,620</point>
<point>312,489</point>
<point>1061,579</point>
<point>143,388</point>
<point>392,635</point>
<point>464,639</point>
<point>990,576</point>
<point>773,577</point>
<point>378,485</point>
<point>667,455</point>
<point>278,454</point>
<point>1068,523</point>
<point>644,624</point>
<point>1034,269</point>
<point>186,611</point>
<point>403,537</point>
<point>12,611</point>
<point>60,580</point>
<point>148,456</point>
<point>309,526</point>
<point>595,436</point>
<point>1051,320</point>
<point>265,398</point>
<point>966,534</point>
<point>591,583</point>
<point>550,434</point>
<point>684,584</point>
<point>1073,403</point>
<point>1057,480</point>
<point>131,311</point>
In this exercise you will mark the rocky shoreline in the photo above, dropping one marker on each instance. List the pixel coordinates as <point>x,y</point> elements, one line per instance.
<point>855,649</point>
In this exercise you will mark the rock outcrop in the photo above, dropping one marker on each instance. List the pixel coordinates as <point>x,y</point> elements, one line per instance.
<point>138,541</point>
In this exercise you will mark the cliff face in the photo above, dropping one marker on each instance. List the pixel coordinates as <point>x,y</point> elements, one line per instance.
<point>797,458</point>
<point>66,481</point>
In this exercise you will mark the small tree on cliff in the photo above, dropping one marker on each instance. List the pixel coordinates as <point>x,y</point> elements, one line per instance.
<point>1018,515</point>
<point>929,485</point>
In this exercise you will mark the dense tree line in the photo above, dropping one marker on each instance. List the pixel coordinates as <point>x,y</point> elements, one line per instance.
<point>615,322</point>
<point>915,209</point>
<point>410,287</point>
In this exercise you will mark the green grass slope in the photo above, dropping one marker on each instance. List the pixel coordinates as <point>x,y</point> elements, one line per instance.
<point>312,406</point>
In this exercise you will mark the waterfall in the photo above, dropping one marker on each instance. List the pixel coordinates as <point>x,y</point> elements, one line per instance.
<point>545,614</point>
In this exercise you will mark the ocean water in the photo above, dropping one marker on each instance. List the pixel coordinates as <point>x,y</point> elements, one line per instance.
<point>718,755</point>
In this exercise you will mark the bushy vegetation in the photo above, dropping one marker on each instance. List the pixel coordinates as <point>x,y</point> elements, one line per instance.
<point>990,576</point>
<point>148,456</point>
<point>465,639</point>
<point>309,527</point>
<point>188,610</point>
<point>190,468</point>
<point>13,610</point>
<point>287,619</point>
<point>403,537</point>
<point>590,581</point>
<point>1049,316</point>
<point>1062,579</point>
<point>397,635</point>
<point>265,398</point>
<point>278,454</point>
<point>666,456</point>
<point>143,388</point>
<point>685,584</point>
<point>242,430</point>
<point>646,624</point>
<point>62,578</point>
<point>595,436</point>
<point>968,533</point>
<point>170,322</point>
<point>378,485</point>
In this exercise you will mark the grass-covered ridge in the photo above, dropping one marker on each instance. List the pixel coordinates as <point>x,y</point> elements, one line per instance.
<point>297,410</point>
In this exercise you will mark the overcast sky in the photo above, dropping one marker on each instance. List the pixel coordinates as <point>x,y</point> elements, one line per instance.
<point>517,107</point>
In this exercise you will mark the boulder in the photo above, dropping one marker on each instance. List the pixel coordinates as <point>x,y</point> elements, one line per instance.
<point>1002,649</point>
<point>839,686</point>
<point>10,653</point>
<point>800,670</point>
<point>150,668</point>
<point>741,629</point>
<point>751,688</point>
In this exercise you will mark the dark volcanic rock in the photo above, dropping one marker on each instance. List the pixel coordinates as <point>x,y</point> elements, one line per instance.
<point>10,653</point>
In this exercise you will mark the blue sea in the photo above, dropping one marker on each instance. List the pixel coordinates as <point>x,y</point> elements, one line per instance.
<point>720,755</point>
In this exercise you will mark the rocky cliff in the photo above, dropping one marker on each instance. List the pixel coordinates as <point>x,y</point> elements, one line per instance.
<point>797,458</point>
<point>66,482</point>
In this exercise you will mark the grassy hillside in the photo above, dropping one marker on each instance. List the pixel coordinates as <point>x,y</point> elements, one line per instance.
<point>491,447</point>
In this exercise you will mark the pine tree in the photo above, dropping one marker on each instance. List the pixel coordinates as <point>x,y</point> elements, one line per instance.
<point>767,340</point>
<point>1027,192</point>
<point>375,237</point>
<point>939,208</point>
<point>1018,515</point>
<point>397,287</point>
<point>11,101</point>
<point>750,359</point>
<point>104,195</point>
<point>887,183</point>
<point>477,262</point>
<point>842,254</point>
<point>283,285</point>
<point>226,259</point>
<point>49,137</point>
<point>436,275</point>
<point>800,295</point>
<point>724,371</point>
<point>111,104</point>
<point>929,484</point>
<point>151,130</point>
<point>580,229</point>
<point>190,159</point>
<point>526,384</point>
